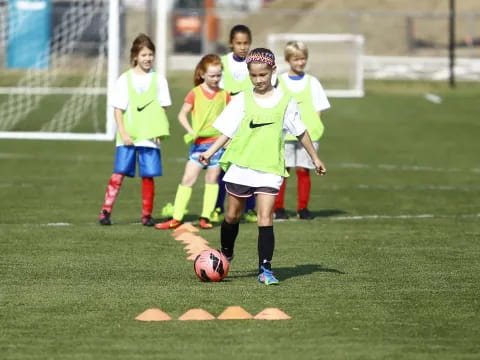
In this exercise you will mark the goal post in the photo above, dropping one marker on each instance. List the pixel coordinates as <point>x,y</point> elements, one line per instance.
<point>62,93</point>
<point>335,59</point>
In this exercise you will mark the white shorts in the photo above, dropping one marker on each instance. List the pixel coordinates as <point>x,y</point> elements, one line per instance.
<point>253,178</point>
<point>297,156</point>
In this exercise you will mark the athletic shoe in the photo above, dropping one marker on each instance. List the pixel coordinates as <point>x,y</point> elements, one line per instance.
<point>250,216</point>
<point>266,277</point>
<point>205,223</point>
<point>216,216</point>
<point>229,258</point>
<point>169,224</point>
<point>304,214</point>
<point>147,220</point>
<point>281,214</point>
<point>104,218</point>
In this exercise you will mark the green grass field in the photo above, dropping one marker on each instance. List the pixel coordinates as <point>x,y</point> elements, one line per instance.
<point>389,268</point>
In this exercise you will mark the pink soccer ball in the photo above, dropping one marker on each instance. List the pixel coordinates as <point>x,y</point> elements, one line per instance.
<point>211,265</point>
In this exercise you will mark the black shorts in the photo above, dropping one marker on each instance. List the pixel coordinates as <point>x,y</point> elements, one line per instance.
<point>247,191</point>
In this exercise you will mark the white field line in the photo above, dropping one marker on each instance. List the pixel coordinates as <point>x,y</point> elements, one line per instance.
<point>398,188</point>
<point>417,187</point>
<point>319,218</point>
<point>11,185</point>
<point>23,156</point>
<point>400,167</point>
<point>401,217</point>
<point>346,165</point>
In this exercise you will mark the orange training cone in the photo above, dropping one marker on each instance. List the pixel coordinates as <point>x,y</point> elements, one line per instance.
<point>192,257</point>
<point>187,226</point>
<point>272,314</point>
<point>153,314</point>
<point>195,248</point>
<point>196,314</point>
<point>186,237</point>
<point>235,313</point>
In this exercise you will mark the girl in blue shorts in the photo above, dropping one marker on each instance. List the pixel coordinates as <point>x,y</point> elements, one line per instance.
<point>139,102</point>
<point>205,102</point>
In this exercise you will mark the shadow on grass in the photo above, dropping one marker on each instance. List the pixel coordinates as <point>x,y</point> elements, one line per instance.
<point>303,269</point>
<point>284,273</point>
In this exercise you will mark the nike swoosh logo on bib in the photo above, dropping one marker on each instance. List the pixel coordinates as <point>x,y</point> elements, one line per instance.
<point>140,108</point>
<point>252,125</point>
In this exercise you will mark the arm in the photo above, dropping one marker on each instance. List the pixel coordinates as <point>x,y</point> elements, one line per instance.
<point>204,158</point>
<point>305,140</point>
<point>118,114</point>
<point>183,120</point>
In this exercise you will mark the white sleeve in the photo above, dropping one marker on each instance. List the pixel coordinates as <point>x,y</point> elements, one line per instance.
<point>119,95</point>
<point>292,121</point>
<point>229,120</point>
<point>163,92</point>
<point>319,98</point>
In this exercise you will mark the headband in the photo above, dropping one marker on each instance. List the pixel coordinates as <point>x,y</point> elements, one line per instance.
<point>263,57</point>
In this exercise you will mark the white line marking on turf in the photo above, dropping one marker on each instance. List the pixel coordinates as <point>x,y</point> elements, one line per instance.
<point>319,218</point>
<point>405,216</point>
<point>391,167</point>
<point>434,98</point>
<point>418,187</point>
<point>396,167</point>
<point>41,156</point>
<point>9,185</point>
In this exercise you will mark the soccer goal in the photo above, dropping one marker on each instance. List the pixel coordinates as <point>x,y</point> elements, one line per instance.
<point>58,89</point>
<point>335,59</point>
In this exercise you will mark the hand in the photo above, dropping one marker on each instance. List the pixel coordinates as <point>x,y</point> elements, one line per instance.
<point>127,140</point>
<point>320,168</point>
<point>189,138</point>
<point>204,158</point>
<point>157,140</point>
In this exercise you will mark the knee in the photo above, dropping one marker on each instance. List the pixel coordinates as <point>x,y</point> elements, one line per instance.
<point>232,218</point>
<point>188,180</point>
<point>233,214</point>
<point>211,179</point>
<point>265,218</point>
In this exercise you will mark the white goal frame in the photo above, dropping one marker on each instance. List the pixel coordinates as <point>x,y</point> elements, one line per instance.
<point>358,41</point>
<point>112,75</point>
<point>113,59</point>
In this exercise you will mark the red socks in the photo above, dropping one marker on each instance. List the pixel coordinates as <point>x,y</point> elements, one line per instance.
<point>113,189</point>
<point>148,193</point>
<point>303,187</point>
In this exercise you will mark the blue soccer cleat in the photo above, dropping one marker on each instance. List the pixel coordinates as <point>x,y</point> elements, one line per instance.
<point>266,277</point>
<point>229,258</point>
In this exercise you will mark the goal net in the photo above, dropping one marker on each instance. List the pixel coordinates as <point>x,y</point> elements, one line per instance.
<point>335,59</point>
<point>57,90</point>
